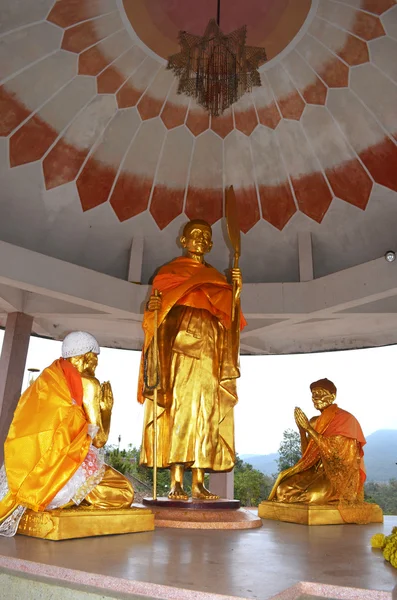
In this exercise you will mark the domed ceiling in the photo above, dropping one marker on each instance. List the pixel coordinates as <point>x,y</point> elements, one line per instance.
<point>270,23</point>
<point>98,147</point>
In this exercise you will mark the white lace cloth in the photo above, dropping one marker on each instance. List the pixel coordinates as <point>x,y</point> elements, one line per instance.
<point>85,479</point>
<point>9,526</point>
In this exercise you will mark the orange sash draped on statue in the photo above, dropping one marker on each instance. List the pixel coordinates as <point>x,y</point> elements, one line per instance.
<point>186,282</point>
<point>48,438</point>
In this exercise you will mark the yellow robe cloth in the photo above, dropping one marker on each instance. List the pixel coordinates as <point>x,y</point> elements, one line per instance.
<point>198,354</point>
<point>47,442</point>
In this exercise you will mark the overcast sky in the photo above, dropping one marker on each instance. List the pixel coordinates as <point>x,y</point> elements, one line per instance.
<point>269,389</point>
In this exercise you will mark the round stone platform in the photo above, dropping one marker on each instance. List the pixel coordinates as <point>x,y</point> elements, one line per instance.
<point>201,514</point>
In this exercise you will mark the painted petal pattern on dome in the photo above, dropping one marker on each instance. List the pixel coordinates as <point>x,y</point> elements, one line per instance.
<point>175,108</point>
<point>133,188</point>
<point>239,172</point>
<point>275,191</point>
<point>172,177</point>
<point>204,198</point>
<point>80,95</point>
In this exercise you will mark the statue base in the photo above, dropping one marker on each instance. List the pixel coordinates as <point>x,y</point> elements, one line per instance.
<point>79,522</point>
<point>314,514</point>
<point>201,514</point>
<point>192,503</point>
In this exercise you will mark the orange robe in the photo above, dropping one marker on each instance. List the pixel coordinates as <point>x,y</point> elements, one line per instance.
<point>198,357</point>
<point>331,471</point>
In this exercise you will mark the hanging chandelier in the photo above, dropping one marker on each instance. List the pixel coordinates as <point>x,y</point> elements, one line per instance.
<point>216,69</point>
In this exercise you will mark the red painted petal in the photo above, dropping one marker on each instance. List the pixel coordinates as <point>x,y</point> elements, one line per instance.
<point>277,203</point>
<point>131,195</point>
<point>351,183</point>
<point>204,204</point>
<point>381,161</point>
<point>313,195</point>
<point>31,141</point>
<point>166,204</point>
<point>62,164</point>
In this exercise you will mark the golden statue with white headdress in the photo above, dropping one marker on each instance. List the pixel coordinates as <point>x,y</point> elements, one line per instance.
<point>52,455</point>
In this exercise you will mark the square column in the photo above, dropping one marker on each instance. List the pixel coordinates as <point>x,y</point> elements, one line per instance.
<point>222,484</point>
<point>12,368</point>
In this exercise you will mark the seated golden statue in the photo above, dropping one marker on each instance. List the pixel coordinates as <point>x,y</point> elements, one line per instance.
<point>52,456</point>
<point>331,470</point>
<point>198,350</point>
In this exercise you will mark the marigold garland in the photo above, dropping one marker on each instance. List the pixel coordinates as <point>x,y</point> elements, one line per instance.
<point>387,543</point>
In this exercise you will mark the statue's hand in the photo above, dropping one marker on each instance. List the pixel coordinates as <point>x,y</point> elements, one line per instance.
<point>107,396</point>
<point>237,280</point>
<point>154,303</point>
<point>301,419</point>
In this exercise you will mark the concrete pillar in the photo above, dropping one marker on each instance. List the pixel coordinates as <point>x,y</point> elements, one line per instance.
<point>12,367</point>
<point>136,260</point>
<point>222,484</point>
<point>305,253</point>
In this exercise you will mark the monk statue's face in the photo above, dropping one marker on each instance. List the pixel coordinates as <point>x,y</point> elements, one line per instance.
<point>197,239</point>
<point>322,398</point>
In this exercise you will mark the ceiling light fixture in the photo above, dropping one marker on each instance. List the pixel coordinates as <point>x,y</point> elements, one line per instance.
<point>390,256</point>
<point>216,69</point>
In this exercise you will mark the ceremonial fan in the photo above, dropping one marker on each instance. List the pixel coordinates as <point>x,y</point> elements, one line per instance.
<point>233,230</point>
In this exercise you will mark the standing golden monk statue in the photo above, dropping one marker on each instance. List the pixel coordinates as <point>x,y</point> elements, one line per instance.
<point>52,456</point>
<point>198,352</point>
<point>331,470</point>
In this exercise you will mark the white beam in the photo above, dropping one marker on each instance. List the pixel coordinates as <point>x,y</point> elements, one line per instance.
<point>358,285</point>
<point>61,296</point>
<point>55,278</point>
<point>11,299</point>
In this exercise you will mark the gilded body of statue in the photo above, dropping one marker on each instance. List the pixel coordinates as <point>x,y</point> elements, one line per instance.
<point>52,456</point>
<point>331,469</point>
<point>198,357</point>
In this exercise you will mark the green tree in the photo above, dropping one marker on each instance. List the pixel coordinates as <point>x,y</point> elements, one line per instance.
<point>384,494</point>
<point>290,450</point>
<point>250,485</point>
<point>127,462</point>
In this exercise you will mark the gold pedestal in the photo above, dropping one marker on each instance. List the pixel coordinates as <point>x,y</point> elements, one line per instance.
<point>85,522</point>
<point>312,514</point>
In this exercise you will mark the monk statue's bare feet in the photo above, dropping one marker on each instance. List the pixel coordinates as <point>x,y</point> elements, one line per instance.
<point>198,488</point>
<point>201,492</point>
<point>177,492</point>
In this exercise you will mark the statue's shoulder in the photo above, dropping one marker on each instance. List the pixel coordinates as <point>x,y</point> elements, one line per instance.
<point>89,381</point>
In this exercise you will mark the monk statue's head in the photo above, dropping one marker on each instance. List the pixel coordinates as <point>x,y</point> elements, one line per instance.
<point>196,237</point>
<point>81,349</point>
<point>323,393</point>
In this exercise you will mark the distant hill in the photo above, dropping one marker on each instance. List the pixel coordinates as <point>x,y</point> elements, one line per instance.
<point>380,457</point>
<point>266,463</point>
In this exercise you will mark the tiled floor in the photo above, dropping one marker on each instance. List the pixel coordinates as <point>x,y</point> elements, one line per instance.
<point>251,564</point>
